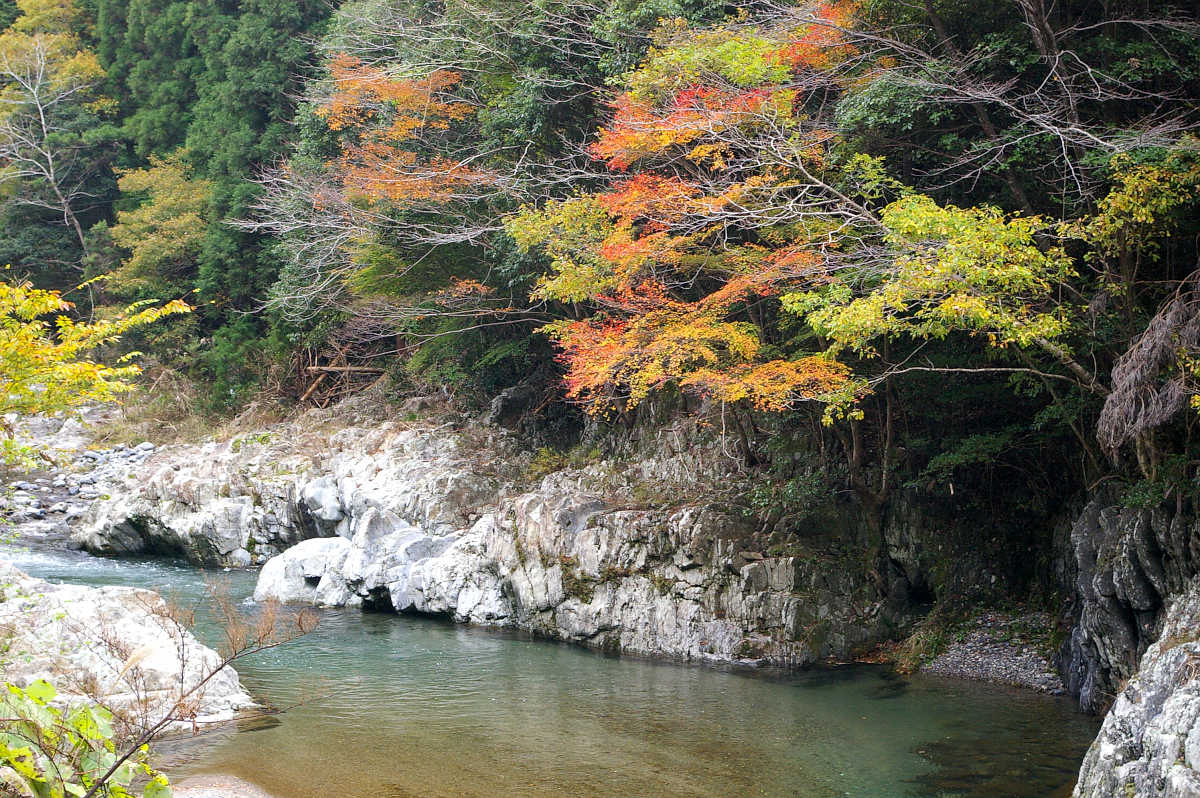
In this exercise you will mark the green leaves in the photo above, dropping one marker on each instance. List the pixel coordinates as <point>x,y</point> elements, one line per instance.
<point>40,691</point>
<point>57,752</point>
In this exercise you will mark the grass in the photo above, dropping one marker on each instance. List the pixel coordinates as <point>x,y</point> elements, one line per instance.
<point>166,408</point>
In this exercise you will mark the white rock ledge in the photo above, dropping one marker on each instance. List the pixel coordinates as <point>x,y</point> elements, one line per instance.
<point>1149,744</point>
<point>424,519</point>
<point>81,639</point>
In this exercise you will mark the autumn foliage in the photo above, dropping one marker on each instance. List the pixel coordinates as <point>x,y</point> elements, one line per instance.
<point>47,366</point>
<point>733,203</point>
<point>393,151</point>
<point>679,255</point>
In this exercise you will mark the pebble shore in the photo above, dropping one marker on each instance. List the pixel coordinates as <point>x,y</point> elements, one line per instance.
<point>996,648</point>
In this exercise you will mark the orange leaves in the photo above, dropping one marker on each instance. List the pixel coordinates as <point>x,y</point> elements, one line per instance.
<point>641,129</point>
<point>620,362</point>
<point>723,211</point>
<point>659,339</point>
<point>822,44</point>
<point>649,196</point>
<point>774,385</point>
<point>379,171</point>
<point>364,91</point>
<point>623,361</point>
<point>397,126</point>
<point>690,94</point>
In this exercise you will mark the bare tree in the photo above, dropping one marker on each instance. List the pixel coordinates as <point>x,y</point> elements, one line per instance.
<point>46,83</point>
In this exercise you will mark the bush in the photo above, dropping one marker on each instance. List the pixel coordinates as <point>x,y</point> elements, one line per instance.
<point>55,753</point>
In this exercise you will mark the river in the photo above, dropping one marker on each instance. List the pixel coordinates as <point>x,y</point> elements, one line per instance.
<point>386,706</point>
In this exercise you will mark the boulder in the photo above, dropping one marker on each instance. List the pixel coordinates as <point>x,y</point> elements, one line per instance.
<point>308,573</point>
<point>117,645</point>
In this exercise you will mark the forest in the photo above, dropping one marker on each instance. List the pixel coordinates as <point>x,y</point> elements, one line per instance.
<point>925,272</point>
<point>933,246</point>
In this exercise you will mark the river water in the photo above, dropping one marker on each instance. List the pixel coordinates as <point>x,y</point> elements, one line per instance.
<point>385,706</point>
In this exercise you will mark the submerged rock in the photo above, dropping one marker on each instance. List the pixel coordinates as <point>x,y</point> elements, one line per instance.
<point>1149,744</point>
<point>216,787</point>
<point>117,645</point>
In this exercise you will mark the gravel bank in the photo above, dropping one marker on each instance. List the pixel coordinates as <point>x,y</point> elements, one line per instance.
<point>1001,648</point>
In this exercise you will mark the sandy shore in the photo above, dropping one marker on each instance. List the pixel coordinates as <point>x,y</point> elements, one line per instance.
<point>217,787</point>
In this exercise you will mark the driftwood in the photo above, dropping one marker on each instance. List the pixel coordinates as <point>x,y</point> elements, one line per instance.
<point>316,384</point>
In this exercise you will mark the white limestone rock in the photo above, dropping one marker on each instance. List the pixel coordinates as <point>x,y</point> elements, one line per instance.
<point>81,639</point>
<point>308,573</point>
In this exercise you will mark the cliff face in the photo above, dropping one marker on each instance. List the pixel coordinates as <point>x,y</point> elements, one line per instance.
<point>1149,744</point>
<point>423,520</point>
<point>1125,565</point>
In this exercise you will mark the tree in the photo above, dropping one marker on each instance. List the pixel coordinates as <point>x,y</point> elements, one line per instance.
<point>741,194</point>
<point>361,267</point>
<point>45,366</point>
<point>164,235</point>
<point>217,83</point>
<point>52,142</point>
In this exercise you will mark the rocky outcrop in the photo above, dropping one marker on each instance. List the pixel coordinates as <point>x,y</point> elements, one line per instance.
<point>1127,564</point>
<point>1149,744</point>
<point>562,564</point>
<point>414,518</point>
<point>227,504</point>
<point>117,645</point>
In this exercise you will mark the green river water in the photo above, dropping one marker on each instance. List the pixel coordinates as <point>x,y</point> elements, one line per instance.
<point>385,706</point>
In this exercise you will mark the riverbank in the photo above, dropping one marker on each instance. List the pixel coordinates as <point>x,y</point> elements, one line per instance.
<point>443,523</point>
<point>120,647</point>
<point>384,704</point>
<point>1002,648</point>
<point>447,517</point>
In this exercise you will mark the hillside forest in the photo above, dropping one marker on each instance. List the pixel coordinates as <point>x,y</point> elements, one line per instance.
<point>944,249</point>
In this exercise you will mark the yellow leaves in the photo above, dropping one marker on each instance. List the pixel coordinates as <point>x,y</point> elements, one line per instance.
<point>571,231</point>
<point>1145,202</point>
<point>712,155</point>
<point>44,366</point>
<point>83,67</point>
<point>163,234</point>
<point>43,61</point>
<point>48,16</point>
<point>952,269</point>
